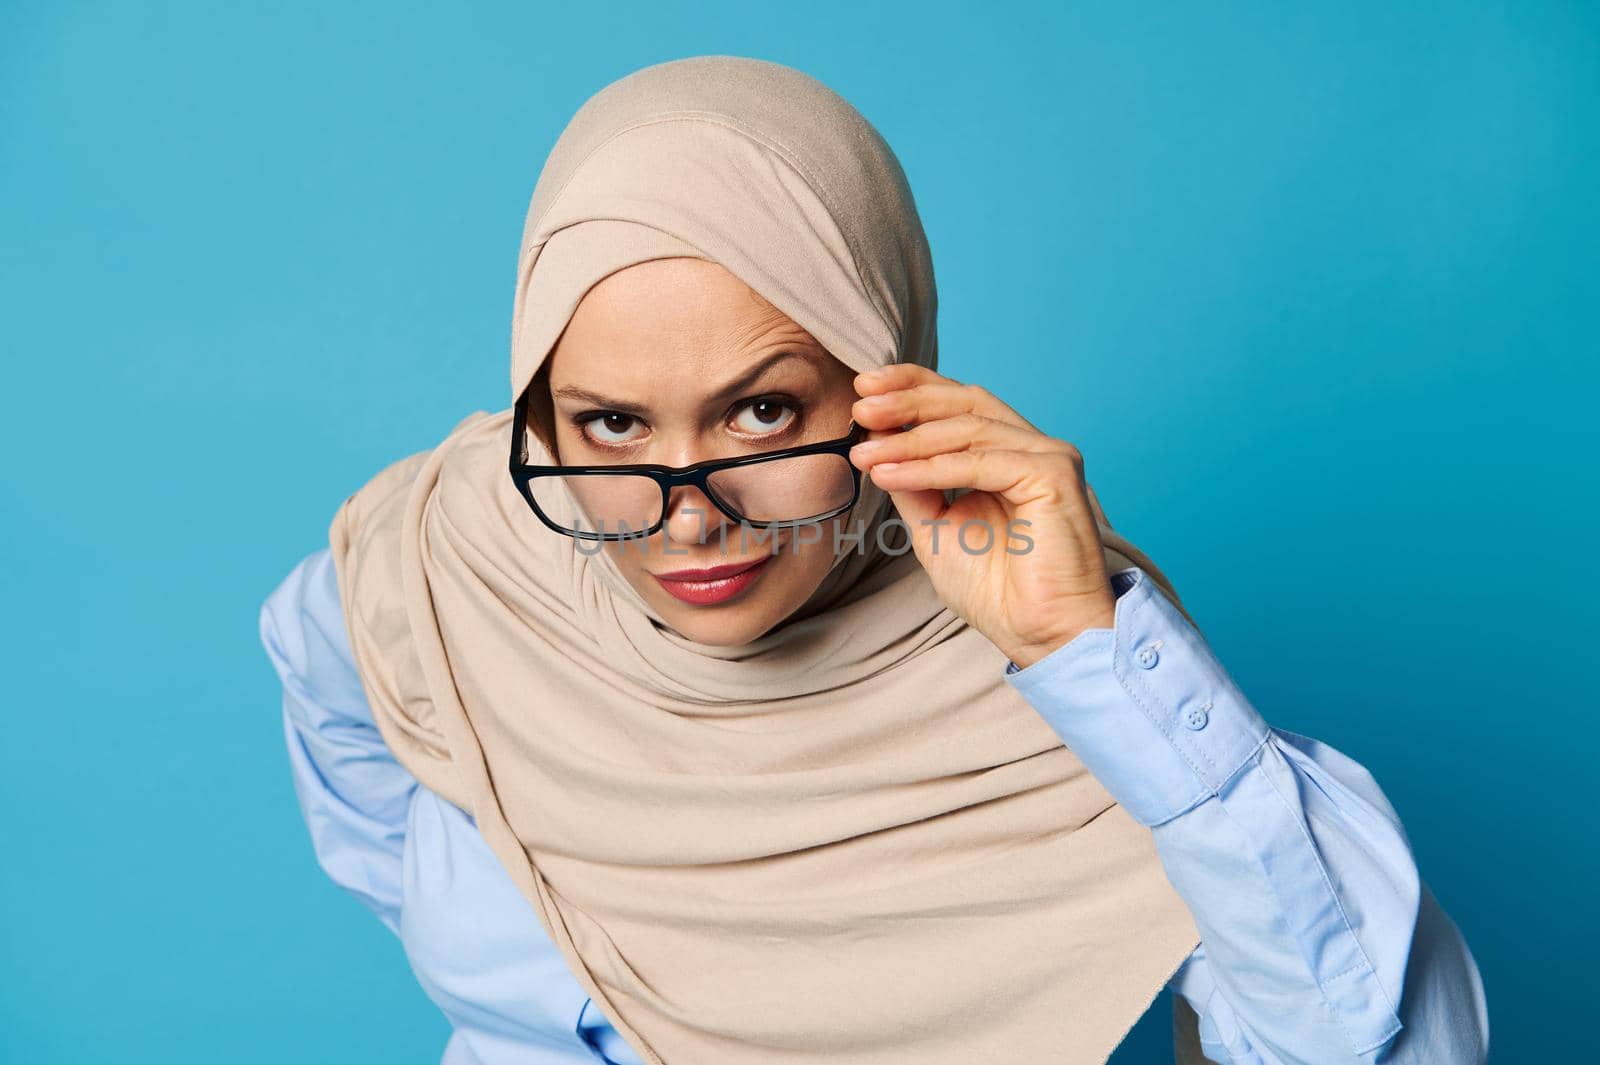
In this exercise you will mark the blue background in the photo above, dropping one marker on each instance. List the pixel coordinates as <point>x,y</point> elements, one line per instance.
<point>1313,289</point>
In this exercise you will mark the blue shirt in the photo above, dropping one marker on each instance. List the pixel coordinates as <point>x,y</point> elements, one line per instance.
<point>1319,940</point>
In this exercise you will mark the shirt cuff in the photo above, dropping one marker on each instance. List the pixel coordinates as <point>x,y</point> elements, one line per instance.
<point>1145,705</point>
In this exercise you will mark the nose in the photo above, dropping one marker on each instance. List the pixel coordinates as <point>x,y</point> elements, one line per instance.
<point>691,517</point>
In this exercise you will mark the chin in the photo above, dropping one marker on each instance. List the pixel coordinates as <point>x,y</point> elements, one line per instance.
<point>728,624</point>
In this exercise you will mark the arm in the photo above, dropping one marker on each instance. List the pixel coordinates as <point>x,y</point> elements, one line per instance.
<point>1319,940</point>
<point>353,795</point>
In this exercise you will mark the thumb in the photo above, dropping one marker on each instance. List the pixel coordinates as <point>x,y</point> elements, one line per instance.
<point>1094,504</point>
<point>919,506</point>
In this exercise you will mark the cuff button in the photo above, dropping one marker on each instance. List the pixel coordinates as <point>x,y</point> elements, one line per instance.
<point>1196,716</point>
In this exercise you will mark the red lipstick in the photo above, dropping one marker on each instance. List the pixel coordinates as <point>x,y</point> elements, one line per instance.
<point>718,584</point>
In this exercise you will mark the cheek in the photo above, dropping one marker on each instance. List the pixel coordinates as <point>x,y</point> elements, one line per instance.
<point>627,558</point>
<point>804,565</point>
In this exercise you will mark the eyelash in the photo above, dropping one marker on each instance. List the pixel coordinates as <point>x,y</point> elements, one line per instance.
<point>581,421</point>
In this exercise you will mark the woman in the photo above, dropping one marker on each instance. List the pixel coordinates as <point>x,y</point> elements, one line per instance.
<point>785,700</point>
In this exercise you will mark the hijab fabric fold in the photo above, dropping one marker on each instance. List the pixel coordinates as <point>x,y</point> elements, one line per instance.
<point>848,841</point>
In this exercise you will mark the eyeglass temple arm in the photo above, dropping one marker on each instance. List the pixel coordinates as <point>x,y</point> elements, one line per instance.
<point>519,435</point>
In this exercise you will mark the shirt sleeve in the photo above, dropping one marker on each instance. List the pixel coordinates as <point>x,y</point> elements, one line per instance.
<point>353,795</point>
<point>1319,940</point>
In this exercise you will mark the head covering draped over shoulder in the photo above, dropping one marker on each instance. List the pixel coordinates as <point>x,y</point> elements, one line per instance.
<point>848,841</point>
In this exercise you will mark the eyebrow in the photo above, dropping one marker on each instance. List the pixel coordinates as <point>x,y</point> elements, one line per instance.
<point>738,384</point>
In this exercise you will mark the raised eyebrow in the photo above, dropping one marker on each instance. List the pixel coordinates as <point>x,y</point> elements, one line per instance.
<point>750,376</point>
<point>738,384</point>
<point>595,398</point>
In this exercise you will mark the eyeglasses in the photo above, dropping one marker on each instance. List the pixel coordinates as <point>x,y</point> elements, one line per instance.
<point>773,489</point>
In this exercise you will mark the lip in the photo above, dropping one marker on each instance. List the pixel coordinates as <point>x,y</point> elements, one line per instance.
<point>714,585</point>
<point>714,573</point>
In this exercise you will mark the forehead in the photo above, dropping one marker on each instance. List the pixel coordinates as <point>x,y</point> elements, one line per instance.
<point>671,317</point>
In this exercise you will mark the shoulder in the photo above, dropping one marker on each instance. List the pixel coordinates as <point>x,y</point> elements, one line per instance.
<point>302,628</point>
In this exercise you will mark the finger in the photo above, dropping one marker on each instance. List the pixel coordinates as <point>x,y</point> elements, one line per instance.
<point>1017,476</point>
<point>893,376</point>
<point>917,508</point>
<point>926,402</point>
<point>950,434</point>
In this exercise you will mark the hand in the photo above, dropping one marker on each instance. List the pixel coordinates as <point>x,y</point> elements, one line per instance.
<point>1027,601</point>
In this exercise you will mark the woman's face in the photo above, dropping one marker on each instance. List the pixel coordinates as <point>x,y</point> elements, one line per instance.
<point>675,361</point>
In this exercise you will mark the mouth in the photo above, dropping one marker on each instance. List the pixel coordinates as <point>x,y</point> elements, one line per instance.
<point>718,584</point>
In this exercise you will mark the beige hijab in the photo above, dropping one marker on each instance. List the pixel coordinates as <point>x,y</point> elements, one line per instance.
<point>849,841</point>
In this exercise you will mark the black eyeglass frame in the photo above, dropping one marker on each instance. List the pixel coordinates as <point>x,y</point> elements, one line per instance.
<point>670,477</point>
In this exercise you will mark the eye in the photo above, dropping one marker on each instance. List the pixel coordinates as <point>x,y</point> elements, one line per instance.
<point>611,428</point>
<point>765,416</point>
